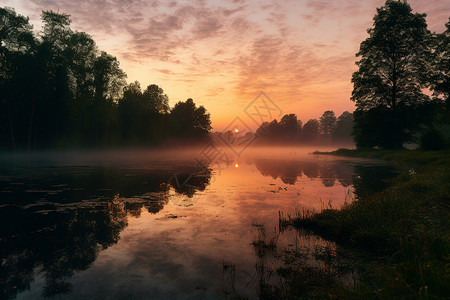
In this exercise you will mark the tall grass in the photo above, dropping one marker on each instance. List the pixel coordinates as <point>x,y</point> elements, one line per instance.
<point>405,226</point>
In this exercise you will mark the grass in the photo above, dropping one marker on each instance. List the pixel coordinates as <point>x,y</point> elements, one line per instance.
<point>406,227</point>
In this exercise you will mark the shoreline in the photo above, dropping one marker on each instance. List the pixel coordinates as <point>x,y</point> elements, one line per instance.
<point>405,226</point>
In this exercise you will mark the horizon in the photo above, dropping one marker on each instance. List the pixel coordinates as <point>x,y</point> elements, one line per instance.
<point>223,54</point>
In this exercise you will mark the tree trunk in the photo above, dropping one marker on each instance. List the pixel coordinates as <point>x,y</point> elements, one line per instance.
<point>30,128</point>
<point>11,127</point>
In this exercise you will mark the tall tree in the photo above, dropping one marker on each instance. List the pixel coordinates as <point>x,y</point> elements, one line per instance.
<point>109,79</point>
<point>15,32</point>
<point>17,68</point>
<point>156,99</point>
<point>327,123</point>
<point>270,132</point>
<point>439,80</point>
<point>53,101</point>
<point>389,79</point>
<point>344,127</point>
<point>310,130</point>
<point>291,127</point>
<point>188,120</point>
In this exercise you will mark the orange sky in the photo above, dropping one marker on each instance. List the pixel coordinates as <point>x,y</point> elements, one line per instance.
<point>223,53</point>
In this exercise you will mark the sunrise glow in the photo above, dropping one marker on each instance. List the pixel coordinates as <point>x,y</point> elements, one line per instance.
<point>120,121</point>
<point>223,53</point>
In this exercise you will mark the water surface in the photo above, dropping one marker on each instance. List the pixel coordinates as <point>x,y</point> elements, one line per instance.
<point>156,225</point>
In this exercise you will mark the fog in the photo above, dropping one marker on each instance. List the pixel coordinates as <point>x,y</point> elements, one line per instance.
<point>206,154</point>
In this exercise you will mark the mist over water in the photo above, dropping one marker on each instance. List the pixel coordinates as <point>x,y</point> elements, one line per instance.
<point>156,222</point>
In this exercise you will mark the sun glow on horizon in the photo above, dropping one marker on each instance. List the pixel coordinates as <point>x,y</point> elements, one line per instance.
<point>222,54</point>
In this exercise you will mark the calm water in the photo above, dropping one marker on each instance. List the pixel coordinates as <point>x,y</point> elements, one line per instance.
<point>140,225</point>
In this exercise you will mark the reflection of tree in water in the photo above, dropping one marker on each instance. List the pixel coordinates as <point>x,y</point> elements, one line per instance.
<point>48,227</point>
<point>289,171</point>
<point>371,179</point>
<point>188,183</point>
<point>327,174</point>
<point>311,169</point>
<point>365,178</point>
<point>342,172</point>
<point>55,244</point>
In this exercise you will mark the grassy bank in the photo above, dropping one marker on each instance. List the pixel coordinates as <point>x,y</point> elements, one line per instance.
<point>406,227</point>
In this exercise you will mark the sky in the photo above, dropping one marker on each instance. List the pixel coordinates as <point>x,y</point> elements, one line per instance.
<point>223,54</point>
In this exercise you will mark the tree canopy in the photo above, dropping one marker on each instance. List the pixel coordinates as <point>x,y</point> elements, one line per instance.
<point>394,69</point>
<point>327,123</point>
<point>60,90</point>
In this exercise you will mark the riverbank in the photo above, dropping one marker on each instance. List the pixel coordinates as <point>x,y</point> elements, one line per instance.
<point>405,227</point>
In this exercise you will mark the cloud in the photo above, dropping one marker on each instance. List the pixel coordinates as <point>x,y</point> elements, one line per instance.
<point>300,50</point>
<point>207,27</point>
<point>165,71</point>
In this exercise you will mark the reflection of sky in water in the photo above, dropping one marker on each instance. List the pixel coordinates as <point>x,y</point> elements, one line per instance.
<point>176,240</point>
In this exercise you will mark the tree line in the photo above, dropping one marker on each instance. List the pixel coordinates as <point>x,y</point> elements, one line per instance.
<point>291,130</point>
<point>401,88</point>
<point>59,90</point>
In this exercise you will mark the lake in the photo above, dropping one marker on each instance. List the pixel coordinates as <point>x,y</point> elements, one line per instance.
<point>149,224</point>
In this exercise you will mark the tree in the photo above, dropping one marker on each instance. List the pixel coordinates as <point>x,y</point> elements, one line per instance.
<point>271,133</point>
<point>327,123</point>
<point>16,33</point>
<point>310,130</point>
<point>344,127</point>
<point>54,95</point>
<point>291,127</point>
<point>190,121</point>
<point>56,29</point>
<point>17,66</point>
<point>389,79</point>
<point>156,99</point>
<point>58,89</point>
<point>109,79</point>
<point>440,79</point>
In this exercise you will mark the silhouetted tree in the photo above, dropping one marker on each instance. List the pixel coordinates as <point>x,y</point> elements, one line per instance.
<point>270,132</point>
<point>143,116</point>
<point>286,131</point>
<point>327,123</point>
<point>389,80</point>
<point>17,48</point>
<point>15,32</point>
<point>344,127</point>
<point>190,121</point>
<point>155,98</point>
<point>58,89</point>
<point>440,75</point>
<point>291,127</point>
<point>310,130</point>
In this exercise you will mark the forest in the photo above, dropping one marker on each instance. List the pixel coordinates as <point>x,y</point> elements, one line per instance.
<point>291,130</point>
<point>58,90</point>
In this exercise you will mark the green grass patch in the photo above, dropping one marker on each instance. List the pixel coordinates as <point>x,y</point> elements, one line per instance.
<point>406,226</point>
